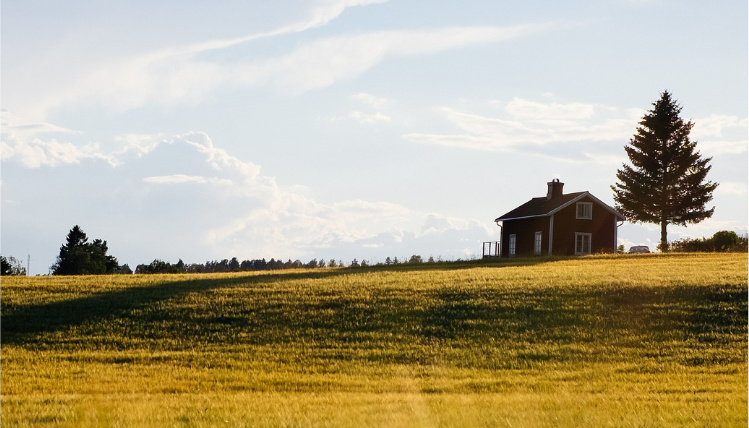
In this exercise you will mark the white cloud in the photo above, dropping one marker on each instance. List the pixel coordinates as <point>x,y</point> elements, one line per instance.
<point>165,76</point>
<point>183,75</point>
<point>185,179</point>
<point>715,125</point>
<point>226,206</point>
<point>731,188</point>
<point>38,153</point>
<point>371,100</point>
<point>529,126</point>
<point>368,119</point>
<point>137,145</point>
<point>712,148</point>
<point>20,142</point>
<point>220,160</point>
<point>324,62</point>
<point>529,110</point>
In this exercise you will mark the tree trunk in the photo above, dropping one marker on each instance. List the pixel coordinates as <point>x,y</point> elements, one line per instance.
<point>664,236</point>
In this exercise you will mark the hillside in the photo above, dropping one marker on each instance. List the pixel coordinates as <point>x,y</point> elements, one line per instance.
<point>656,340</point>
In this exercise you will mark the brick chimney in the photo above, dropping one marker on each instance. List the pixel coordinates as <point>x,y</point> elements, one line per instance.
<point>555,189</point>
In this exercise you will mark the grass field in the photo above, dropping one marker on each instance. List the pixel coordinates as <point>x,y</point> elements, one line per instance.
<point>600,341</point>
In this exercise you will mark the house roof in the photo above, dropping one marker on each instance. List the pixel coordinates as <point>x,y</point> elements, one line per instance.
<point>543,207</point>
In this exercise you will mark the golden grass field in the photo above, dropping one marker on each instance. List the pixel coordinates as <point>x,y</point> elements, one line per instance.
<point>599,341</point>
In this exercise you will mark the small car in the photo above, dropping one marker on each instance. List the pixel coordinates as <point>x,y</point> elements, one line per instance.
<point>639,249</point>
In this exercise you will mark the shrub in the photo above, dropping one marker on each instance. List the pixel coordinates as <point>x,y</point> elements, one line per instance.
<point>721,241</point>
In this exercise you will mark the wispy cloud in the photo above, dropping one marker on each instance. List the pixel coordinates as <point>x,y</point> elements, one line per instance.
<point>371,100</point>
<point>715,125</point>
<point>183,75</point>
<point>369,118</point>
<point>175,74</point>
<point>543,127</point>
<point>527,125</point>
<point>324,62</point>
<point>186,179</point>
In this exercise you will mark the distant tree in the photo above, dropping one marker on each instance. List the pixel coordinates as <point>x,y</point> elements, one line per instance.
<point>415,259</point>
<point>666,183</point>
<point>354,263</point>
<point>80,257</point>
<point>725,240</point>
<point>388,261</point>
<point>721,241</point>
<point>234,264</point>
<point>158,266</point>
<point>5,266</point>
<point>11,267</point>
<point>332,263</point>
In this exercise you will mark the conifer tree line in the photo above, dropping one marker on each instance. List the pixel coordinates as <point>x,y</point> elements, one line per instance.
<point>234,265</point>
<point>78,256</point>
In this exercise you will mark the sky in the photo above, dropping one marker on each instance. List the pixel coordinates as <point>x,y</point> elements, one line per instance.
<point>342,129</point>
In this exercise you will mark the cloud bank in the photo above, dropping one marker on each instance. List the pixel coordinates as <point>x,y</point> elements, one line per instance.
<point>216,203</point>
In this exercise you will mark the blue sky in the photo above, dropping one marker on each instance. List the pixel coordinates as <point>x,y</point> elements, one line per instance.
<point>345,129</point>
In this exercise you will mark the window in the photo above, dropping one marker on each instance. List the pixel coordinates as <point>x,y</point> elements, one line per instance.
<point>582,243</point>
<point>511,249</point>
<point>585,210</point>
<point>537,243</point>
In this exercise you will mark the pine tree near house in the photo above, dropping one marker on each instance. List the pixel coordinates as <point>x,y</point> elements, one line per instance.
<point>666,181</point>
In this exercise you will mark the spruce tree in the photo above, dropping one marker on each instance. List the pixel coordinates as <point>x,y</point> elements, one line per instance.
<point>666,181</point>
<point>80,257</point>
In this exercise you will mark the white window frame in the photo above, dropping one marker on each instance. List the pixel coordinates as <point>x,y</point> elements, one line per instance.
<point>512,244</point>
<point>585,248</point>
<point>584,210</point>
<point>537,242</point>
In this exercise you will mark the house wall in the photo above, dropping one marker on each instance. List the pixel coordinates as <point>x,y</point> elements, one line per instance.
<point>602,228</point>
<point>525,231</point>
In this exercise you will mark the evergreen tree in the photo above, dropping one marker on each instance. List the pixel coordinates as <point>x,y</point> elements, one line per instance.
<point>11,266</point>
<point>5,267</point>
<point>666,181</point>
<point>80,257</point>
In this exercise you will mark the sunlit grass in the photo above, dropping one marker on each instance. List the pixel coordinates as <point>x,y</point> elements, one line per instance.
<point>657,340</point>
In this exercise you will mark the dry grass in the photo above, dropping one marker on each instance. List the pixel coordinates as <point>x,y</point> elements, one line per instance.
<point>656,340</point>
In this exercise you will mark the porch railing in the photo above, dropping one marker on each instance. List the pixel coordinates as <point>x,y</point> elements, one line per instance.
<point>491,249</point>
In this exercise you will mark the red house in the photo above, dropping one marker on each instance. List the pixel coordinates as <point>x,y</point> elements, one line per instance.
<point>559,224</point>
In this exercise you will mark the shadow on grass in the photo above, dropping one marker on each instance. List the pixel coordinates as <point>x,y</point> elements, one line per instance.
<point>47,317</point>
<point>161,313</point>
<point>21,324</point>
